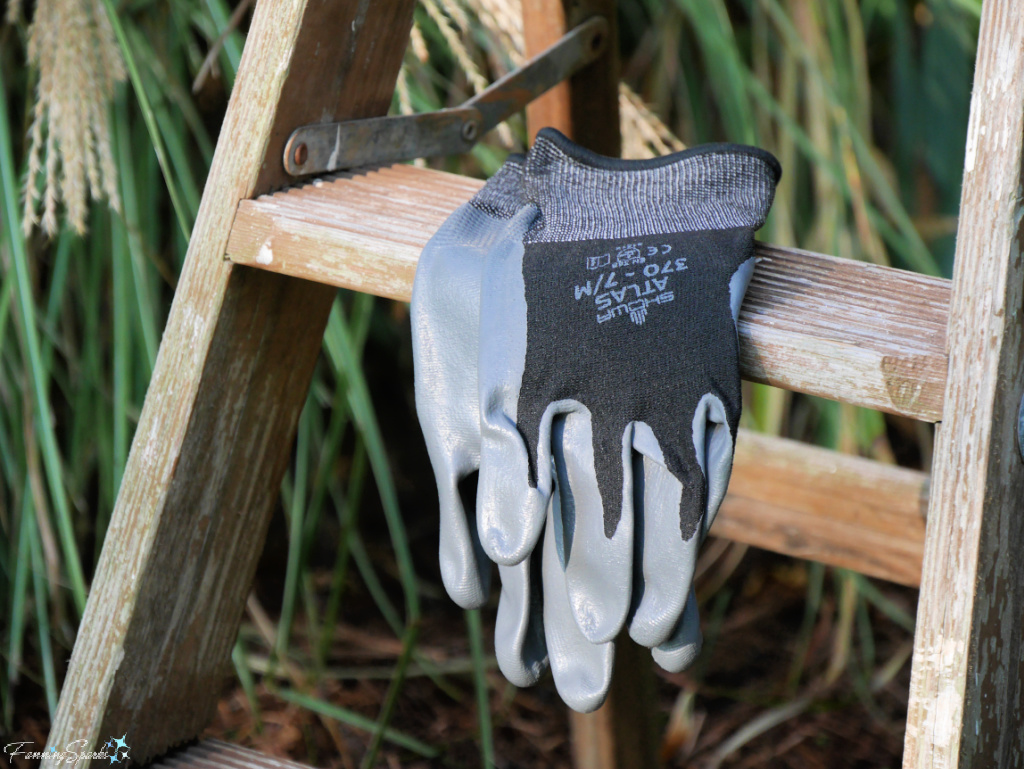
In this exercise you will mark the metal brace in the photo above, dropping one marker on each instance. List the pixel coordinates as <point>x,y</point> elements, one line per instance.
<point>326,147</point>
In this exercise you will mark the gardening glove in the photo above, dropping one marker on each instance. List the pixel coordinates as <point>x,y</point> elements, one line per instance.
<point>617,313</point>
<point>445,321</point>
<point>445,316</point>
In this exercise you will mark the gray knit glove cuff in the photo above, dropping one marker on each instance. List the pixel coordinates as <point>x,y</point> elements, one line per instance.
<point>583,195</point>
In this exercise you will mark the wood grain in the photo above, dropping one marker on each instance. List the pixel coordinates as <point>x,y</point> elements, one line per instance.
<point>845,330</point>
<point>820,505</point>
<point>623,733</point>
<point>967,683</point>
<point>586,108</point>
<point>231,377</point>
<point>216,754</point>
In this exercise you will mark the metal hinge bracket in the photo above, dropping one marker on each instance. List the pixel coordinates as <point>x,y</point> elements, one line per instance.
<point>327,147</point>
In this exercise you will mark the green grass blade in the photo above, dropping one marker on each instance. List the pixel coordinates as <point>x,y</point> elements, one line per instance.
<point>295,507</point>
<point>483,702</point>
<point>145,304</point>
<point>373,584</point>
<point>357,721</point>
<point>341,353</point>
<point>6,297</point>
<point>121,350</point>
<point>150,117</point>
<point>231,47</point>
<point>42,607</point>
<point>725,67</point>
<point>248,683</point>
<point>872,594</point>
<point>347,510</point>
<point>388,708</point>
<point>17,612</point>
<point>39,379</point>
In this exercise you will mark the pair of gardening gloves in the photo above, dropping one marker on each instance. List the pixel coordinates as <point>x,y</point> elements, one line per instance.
<point>577,382</point>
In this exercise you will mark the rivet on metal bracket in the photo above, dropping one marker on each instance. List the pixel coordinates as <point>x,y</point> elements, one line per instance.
<point>317,149</point>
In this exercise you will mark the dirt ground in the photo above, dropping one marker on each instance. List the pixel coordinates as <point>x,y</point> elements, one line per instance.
<point>739,687</point>
<point>746,702</point>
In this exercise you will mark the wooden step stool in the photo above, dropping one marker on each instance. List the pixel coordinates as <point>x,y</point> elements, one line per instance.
<point>240,345</point>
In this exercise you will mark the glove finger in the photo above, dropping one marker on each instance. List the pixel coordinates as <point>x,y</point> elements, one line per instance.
<point>664,561</point>
<point>738,287</point>
<point>510,513</point>
<point>465,570</point>
<point>445,315</point>
<point>598,567</point>
<point>519,641</point>
<point>512,495</point>
<point>713,439</point>
<point>681,649</point>
<point>582,670</point>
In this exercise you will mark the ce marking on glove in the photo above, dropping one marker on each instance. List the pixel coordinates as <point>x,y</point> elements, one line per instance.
<point>627,255</point>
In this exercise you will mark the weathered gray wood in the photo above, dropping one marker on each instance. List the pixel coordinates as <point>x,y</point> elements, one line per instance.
<point>817,504</point>
<point>868,335</point>
<point>624,732</point>
<point>967,684</point>
<point>230,380</point>
<point>216,754</point>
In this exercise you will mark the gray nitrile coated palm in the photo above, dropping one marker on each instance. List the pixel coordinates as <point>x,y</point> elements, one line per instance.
<point>445,322</point>
<point>445,316</point>
<point>617,315</point>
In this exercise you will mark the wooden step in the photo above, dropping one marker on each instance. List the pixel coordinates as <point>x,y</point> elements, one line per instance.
<point>813,503</point>
<point>216,754</point>
<point>845,330</point>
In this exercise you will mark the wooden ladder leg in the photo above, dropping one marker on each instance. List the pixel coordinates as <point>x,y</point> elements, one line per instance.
<point>967,683</point>
<point>623,732</point>
<point>586,107</point>
<point>232,375</point>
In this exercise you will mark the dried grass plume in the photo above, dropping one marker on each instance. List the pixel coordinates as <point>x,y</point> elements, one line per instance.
<point>72,46</point>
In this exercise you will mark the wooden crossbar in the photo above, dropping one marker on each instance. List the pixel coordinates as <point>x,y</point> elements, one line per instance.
<point>824,506</point>
<point>814,323</point>
<point>854,332</point>
<point>216,754</point>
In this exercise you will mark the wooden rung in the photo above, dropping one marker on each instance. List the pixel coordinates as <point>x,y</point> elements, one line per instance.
<point>859,333</point>
<point>215,754</point>
<point>813,503</point>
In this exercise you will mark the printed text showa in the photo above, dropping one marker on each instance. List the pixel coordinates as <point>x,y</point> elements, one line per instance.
<point>619,290</point>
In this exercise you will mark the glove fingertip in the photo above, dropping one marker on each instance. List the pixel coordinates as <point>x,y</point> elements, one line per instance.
<point>676,660</point>
<point>508,540</point>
